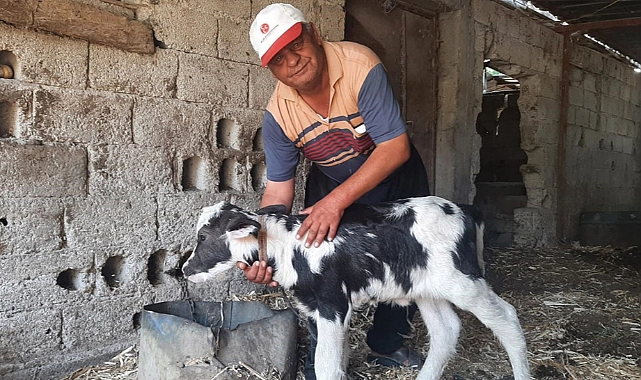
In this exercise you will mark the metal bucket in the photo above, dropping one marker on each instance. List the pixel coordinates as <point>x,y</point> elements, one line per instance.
<point>187,340</point>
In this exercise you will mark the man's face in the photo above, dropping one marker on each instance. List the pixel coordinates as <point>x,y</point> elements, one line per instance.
<point>299,65</point>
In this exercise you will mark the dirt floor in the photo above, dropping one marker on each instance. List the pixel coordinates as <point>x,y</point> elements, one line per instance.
<point>580,309</point>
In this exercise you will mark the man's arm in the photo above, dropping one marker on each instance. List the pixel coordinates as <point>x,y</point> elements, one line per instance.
<point>275,193</point>
<point>324,216</point>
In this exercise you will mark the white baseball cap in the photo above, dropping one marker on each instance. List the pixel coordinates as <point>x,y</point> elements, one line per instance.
<point>273,28</point>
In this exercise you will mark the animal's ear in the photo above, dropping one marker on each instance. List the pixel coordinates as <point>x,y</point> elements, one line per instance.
<point>272,209</point>
<point>242,226</point>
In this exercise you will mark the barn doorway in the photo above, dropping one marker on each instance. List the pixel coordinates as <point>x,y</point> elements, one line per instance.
<point>499,183</point>
<point>405,38</point>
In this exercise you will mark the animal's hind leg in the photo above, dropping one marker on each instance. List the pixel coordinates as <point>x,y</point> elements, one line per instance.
<point>500,317</point>
<point>443,327</point>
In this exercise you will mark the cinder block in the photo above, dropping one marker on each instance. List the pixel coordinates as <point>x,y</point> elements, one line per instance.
<point>332,22</point>
<point>46,58</point>
<point>538,59</point>
<point>594,120</point>
<point>81,116</point>
<point>590,100</point>
<point>529,31</point>
<point>521,53</point>
<point>27,335</point>
<point>20,96</point>
<point>246,121</point>
<point>235,9</point>
<point>177,217</point>
<point>582,116</point>
<point>171,123</point>
<point>129,170</point>
<point>576,76</point>
<point>67,362</point>
<point>203,79</point>
<point>261,87</point>
<point>100,322</point>
<point>122,271</point>
<point>309,8</point>
<point>484,12</point>
<point>30,225</point>
<point>115,70</point>
<point>614,88</point>
<point>185,29</point>
<point>42,171</point>
<point>575,96</point>
<point>110,221</point>
<point>43,292</point>
<point>234,41</point>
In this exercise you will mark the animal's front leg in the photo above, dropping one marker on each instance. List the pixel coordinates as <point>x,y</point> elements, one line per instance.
<point>328,361</point>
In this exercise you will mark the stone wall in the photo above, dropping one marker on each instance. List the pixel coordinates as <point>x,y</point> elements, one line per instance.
<point>106,158</point>
<point>532,53</point>
<point>601,159</point>
<point>603,145</point>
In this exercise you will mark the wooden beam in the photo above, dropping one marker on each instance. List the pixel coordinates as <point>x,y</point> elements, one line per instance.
<point>597,25</point>
<point>82,21</point>
<point>18,12</point>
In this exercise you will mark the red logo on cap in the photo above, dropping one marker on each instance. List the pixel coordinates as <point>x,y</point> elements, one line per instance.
<point>264,28</point>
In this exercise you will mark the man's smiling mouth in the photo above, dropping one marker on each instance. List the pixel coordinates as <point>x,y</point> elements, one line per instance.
<point>300,70</point>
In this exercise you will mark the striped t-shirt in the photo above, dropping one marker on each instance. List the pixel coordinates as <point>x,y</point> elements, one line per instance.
<point>363,112</point>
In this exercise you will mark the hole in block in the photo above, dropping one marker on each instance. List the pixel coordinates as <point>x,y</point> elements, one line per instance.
<point>112,271</point>
<point>8,114</point>
<point>136,320</point>
<point>4,221</point>
<point>69,279</point>
<point>229,175</point>
<point>257,144</point>
<point>8,65</point>
<point>258,174</point>
<point>228,134</point>
<point>194,174</point>
<point>155,266</point>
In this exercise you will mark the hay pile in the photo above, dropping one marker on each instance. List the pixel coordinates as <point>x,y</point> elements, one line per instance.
<point>580,309</point>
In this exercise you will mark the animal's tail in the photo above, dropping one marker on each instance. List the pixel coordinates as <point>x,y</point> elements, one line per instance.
<point>477,216</point>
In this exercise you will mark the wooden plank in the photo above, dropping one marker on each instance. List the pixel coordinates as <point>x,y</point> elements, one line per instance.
<point>89,23</point>
<point>597,25</point>
<point>17,12</point>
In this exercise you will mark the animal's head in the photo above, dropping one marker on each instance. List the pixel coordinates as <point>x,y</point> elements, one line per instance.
<point>226,234</point>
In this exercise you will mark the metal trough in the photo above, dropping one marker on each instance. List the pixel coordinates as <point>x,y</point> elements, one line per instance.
<point>187,340</point>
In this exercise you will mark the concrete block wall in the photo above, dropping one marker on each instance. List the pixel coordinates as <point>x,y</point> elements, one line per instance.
<point>532,53</point>
<point>603,157</point>
<point>106,158</point>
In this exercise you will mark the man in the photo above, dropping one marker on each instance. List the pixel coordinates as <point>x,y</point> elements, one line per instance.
<point>333,103</point>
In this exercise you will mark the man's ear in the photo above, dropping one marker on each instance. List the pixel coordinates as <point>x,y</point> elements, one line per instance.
<point>242,226</point>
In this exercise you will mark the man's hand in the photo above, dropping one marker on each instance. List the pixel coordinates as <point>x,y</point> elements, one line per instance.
<point>322,221</point>
<point>258,273</point>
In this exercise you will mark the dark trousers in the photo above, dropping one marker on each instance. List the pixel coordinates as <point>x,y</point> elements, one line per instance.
<point>391,323</point>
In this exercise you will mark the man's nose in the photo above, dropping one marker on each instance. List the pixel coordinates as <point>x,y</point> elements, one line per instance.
<point>291,58</point>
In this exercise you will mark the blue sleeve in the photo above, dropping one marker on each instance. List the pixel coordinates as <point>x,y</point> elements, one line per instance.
<point>281,155</point>
<point>379,108</point>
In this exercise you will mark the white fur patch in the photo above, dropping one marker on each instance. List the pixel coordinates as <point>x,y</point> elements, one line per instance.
<point>208,213</point>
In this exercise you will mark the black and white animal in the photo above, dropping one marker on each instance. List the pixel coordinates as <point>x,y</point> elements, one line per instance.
<point>424,250</point>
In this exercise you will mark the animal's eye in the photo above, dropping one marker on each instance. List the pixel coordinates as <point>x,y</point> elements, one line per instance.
<point>201,237</point>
